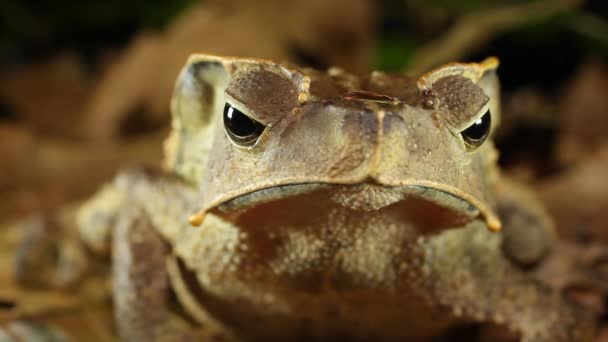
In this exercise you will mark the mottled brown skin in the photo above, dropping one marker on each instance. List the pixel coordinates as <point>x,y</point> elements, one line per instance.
<point>359,213</point>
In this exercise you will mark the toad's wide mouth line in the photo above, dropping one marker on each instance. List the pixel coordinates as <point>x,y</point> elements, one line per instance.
<point>364,197</point>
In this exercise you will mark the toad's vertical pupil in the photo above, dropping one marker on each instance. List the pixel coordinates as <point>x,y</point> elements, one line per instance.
<point>241,128</point>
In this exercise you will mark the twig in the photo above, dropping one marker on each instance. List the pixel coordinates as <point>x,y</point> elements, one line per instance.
<point>474,29</point>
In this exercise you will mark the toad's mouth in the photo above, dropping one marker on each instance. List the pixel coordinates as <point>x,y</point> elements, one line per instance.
<point>422,203</point>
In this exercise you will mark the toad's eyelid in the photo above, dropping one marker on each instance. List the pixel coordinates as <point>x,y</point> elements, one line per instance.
<point>231,101</point>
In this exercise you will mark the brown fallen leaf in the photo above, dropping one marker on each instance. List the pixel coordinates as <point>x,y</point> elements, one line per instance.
<point>15,141</point>
<point>602,336</point>
<point>83,313</point>
<point>43,173</point>
<point>578,198</point>
<point>583,118</point>
<point>48,96</point>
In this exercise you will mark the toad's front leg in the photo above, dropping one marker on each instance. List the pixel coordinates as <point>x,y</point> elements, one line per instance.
<point>472,277</point>
<point>55,248</point>
<point>152,204</point>
<point>141,284</point>
<point>124,219</point>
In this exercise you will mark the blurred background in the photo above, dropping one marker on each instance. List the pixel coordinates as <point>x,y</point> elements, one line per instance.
<point>85,89</point>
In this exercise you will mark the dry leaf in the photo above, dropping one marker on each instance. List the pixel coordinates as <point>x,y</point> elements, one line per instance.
<point>46,173</point>
<point>50,95</point>
<point>584,113</point>
<point>81,314</point>
<point>578,198</point>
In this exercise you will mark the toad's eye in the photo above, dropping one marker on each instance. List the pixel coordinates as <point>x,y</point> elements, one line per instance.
<point>242,129</point>
<point>477,133</point>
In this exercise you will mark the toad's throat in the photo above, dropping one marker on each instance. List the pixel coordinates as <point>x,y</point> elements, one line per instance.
<point>365,197</point>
